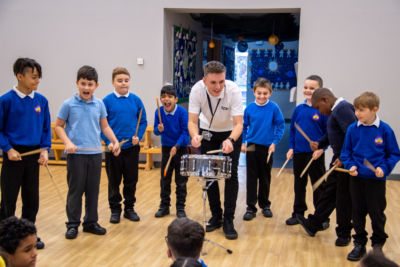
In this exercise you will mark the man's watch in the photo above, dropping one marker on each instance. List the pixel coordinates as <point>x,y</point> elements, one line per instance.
<point>231,139</point>
<point>177,147</point>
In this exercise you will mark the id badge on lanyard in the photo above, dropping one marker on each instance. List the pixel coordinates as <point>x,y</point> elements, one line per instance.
<point>206,134</point>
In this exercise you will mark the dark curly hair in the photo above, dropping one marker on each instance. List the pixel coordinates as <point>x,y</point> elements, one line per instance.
<point>23,65</point>
<point>12,231</point>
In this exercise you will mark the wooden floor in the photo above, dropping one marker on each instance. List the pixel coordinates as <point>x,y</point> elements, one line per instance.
<point>261,242</point>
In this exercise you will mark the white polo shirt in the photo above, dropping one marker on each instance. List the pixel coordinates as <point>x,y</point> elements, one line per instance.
<point>231,104</point>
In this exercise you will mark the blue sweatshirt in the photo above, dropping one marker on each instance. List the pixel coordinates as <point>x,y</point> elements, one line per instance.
<point>376,144</point>
<point>123,116</point>
<point>175,127</point>
<point>24,121</point>
<point>312,122</point>
<point>342,116</point>
<point>263,125</point>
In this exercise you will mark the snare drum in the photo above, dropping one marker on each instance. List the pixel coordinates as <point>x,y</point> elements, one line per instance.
<point>206,166</point>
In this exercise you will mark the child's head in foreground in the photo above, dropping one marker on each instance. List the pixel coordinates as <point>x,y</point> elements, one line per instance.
<point>87,81</point>
<point>18,240</point>
<point>185,239</point>
<point>28,73</point>
<point>168,97</point>
<point>121,80</point>
<point>262,90</point>
<point>311,84</point>
<point>323,99</point>
<point>366,106</point>
<point>376,259</point>
<point>186,262</point>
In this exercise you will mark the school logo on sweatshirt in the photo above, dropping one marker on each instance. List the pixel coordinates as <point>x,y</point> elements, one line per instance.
<point>315,117</point>
<point>379,140</point>
<point>38,109</point>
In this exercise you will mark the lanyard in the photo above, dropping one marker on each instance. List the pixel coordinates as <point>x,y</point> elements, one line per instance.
<point>212,113</point>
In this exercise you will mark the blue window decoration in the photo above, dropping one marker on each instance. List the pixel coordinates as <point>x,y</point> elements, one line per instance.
<point>278,67</point>
<point>229,62</point>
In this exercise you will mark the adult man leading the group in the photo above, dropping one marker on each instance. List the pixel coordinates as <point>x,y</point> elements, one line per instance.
<point>218,104</point>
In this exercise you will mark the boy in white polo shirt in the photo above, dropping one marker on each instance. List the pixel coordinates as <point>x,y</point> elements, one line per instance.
<point>221,119</point>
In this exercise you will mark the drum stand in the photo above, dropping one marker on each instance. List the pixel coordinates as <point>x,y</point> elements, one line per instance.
<point>205,187</point>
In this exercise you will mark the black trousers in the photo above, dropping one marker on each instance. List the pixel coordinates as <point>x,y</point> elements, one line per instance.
<point>369,197</point>
<point>232,184</point>
<point>180,181</point>
<point>22,174</point>
<point>83,177</point>
<point>335,194</point>
<point>315,171</point>
<point>258,174</point>
<point>124,165</point>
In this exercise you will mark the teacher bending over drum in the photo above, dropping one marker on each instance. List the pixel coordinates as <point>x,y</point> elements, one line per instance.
<point>219,103</point>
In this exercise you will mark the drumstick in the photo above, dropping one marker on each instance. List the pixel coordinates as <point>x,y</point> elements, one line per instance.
<point>269,156</point>
<point>282,167</point>
<point>319,182</point>
<point>37,151</point>
<point>306,168</point>
<point>55,184</point>
<point>166,168</point>
<point>341,170</point>
<point>366,164</point>
<point>302,132</point>
<point>215,151</point>
<point>140,116</point>
<point>158,107</point>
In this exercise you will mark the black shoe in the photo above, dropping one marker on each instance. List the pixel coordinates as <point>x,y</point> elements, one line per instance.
<point>249,215</point>
<point>115,217</point>
<point>131,215</point>
<point>180,213</point>
<point>214,223</point>
<point>292,221</point>
<point>306,225</point>
<point>229,229</point>
<point>95,229</point>
<point>325,225</point>
<point>39,244</point>
<point>357,253</point>
<point>377,248</point>
<point>71,233</point>
<point>342,241</point>
<point>267,212</point>
<point>162,212</point>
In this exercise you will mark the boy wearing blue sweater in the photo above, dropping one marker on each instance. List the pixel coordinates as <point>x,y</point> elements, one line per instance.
<point>123,109</point>
<point>371,139</point>
<point>25,125</point>
<point>174,139</point>
<point>314,124</point>
<point>263,127</point>
<point>84,118</point>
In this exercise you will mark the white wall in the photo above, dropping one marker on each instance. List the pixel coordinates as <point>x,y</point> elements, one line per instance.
<point>351,44</point>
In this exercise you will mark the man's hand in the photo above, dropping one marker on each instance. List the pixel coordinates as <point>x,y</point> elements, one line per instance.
<point>13,155</point>
<point>44,158</point>
<point>70,147</point>
<point>338,163</point>
<point>135,140</point>
<point>173,151</point>
<point>314,146</point>
<point>271,148</point>
<point>289,154</point>
<point>227,146</point>
<point>379,172</point>
<point>196,141</point>
<point>160,127</point>
<point>243,148</point>
<point>318,153</point>
<point>353,171</point>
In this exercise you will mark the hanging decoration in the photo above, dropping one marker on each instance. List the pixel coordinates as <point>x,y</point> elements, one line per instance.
<point>240,38</point>
<point>185,43</point>
<point>273,39</point>
<point>279,46</point>
<point>242,46</point>
<point>211,44</point>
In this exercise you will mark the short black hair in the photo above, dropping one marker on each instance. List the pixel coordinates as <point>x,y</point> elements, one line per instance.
<point>186,262</point>
<point>87,72</point>
<point>185,238</point>
<point>12,231</point>
<point>320,93</point>
<point>22,65</point>
<point>377,259</point>
<point>317,79</point>
<point>169,90</point>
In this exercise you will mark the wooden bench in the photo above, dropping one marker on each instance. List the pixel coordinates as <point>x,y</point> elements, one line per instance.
<point>145,147</point>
